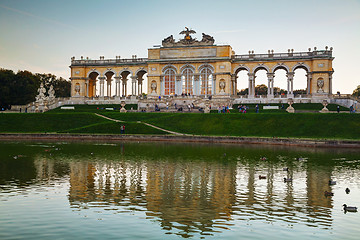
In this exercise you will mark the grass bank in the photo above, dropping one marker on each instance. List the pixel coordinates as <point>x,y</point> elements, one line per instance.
<point>67,123</point>
<point>300,125</point>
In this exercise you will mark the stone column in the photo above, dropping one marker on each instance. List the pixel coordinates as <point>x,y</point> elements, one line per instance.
<point>213,90</point>
<point>124,86</point>
<point>330,82</point>
<point>140,80</point>
<point>178,85</point>
<point>102,86</point>
<point>196,84</point>
<point>308,85</point>
<point>162,86</point>
<point>233,84</point>
<point>87,87</point>
<point>290,78</point>
<point>108,89</point>
<point>270,92</point>
<point>133,85</point>
<point>117,87</point>
<point>251,89</point>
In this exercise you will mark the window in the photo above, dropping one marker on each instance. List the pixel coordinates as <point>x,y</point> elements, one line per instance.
<point>206,81</point>
<point>187,80</point>
<point>169,81</point>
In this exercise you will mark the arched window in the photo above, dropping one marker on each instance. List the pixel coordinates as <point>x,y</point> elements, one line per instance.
<point>206,81</point>
<point>187,80</point>
<point>169,81</point>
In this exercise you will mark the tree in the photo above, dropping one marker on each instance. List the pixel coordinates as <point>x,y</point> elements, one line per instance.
<point>243,92</point>
<point>299,92</point>
<point>261,89</point>
<point>21,88</point>
<point>356,92</point>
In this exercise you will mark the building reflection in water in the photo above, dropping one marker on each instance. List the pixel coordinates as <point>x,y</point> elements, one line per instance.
<point>204,196</point>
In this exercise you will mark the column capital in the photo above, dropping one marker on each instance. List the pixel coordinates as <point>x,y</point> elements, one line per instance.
<point>178,77</point>
<point>117,78</point>
<point>101,78</point>
<point>270,75</point>
<point>290,75</point>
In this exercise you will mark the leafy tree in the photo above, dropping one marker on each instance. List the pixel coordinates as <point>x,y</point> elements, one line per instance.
<point>243,92</point>
<point>21,88</point>
<point>261,89</point>
<point>299,92</point>
<point>356,92</point>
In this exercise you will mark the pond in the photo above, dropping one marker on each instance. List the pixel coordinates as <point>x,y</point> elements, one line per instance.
<point>132,190</point>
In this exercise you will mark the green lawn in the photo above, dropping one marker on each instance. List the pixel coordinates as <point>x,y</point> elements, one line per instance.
<point>298,125</point>
<point>67,123</point>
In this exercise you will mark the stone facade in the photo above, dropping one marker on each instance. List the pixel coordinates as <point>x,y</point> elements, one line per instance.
<point>198,68</point>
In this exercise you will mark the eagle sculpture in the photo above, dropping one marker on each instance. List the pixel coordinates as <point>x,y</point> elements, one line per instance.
<point>187,33</point>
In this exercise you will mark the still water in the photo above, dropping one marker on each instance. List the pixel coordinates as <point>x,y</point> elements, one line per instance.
<point>77,190</point>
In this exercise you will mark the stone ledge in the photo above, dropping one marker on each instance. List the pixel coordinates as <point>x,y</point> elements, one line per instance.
<point>172,138</point>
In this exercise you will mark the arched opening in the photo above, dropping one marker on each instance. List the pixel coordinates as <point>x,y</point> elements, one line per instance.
<point>187,81</point>
<point>300,81</point>
<point>94,85</point>
<point>125,82</point>
<point>169,82</point>
<point>140,81</point>
<point>206,81</point>
<point>108,84</point>
<point>280,81</point>
<point>242,81</point>
<point>261,81</point>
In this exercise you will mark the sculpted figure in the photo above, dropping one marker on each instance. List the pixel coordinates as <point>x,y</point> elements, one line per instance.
<point>169,39</point>
<point>153,87</point>
<point>207,38</point>
<point>77,89</point>
<point>222,86</point>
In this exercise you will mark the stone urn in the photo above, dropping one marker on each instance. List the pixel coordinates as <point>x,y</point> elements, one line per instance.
<point>290,108</point>
<point>123,110</point>
<point>324,110</point>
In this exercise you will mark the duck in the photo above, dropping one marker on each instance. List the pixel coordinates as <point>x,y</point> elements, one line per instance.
<point>287,179</point>
<point>326,193</point>
<point>300,158</point>
<point>331,182</point>
<point>349,209</point>
<point>263,158</point>
<point>262,177</point>
<point>347,190</point>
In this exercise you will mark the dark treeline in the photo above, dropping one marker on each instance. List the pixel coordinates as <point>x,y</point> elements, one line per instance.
<point>21,88</point>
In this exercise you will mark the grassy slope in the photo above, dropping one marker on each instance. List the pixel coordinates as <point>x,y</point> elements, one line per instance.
<point>302,125</point>
<point>67,123</point>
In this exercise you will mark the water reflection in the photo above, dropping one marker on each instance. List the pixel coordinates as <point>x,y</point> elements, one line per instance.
<point>190,189</point>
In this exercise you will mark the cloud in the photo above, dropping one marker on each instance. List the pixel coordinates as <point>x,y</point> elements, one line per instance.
<point>37,17</point>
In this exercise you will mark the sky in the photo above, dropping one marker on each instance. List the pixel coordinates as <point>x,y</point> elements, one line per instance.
<point>42,35</point>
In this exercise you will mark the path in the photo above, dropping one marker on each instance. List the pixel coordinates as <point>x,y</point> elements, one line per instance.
<point>147,124</point>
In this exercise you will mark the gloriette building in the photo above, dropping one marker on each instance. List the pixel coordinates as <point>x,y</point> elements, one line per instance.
<point>198,68</point>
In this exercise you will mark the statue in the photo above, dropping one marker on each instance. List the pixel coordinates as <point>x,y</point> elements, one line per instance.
<point>51,94</point>
<point>187,33</point>
<point>207,38</point>
<point>168,40</point>
<point>222,86</point>
<point>188,40</point>
<point>153,87</point>
<point>41,93</point>
<point>77,89</point>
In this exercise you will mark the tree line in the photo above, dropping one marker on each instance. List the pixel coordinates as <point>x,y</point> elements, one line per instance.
<point>21,88</point>
<point>263,89</point>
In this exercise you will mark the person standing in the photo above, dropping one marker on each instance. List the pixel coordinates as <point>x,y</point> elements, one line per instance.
<point>257,108</point>
<point>338,108</point>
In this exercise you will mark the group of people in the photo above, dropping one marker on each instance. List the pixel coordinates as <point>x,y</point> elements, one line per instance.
<point>243,108</point>
<point>224,109</point>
